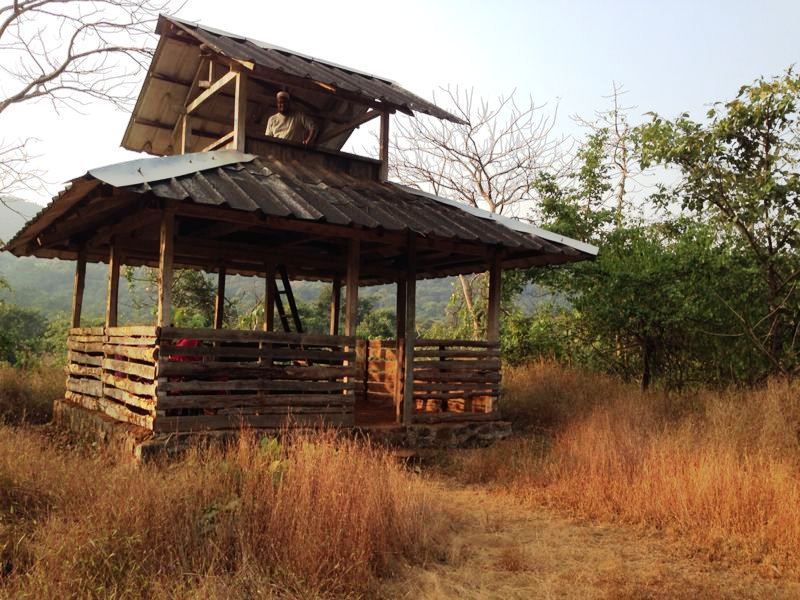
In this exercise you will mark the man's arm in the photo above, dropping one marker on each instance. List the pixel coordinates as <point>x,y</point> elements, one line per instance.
<point>311,130</point>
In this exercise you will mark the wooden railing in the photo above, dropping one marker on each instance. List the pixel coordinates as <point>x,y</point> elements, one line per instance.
<point>381,372</point>
<point>457,377</point>
<point>218,379</point>
<point>114,371</point>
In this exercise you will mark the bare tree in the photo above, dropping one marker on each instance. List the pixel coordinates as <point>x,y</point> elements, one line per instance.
<point>619,148</point>
<point>491,161</point>
<point>67,53</point>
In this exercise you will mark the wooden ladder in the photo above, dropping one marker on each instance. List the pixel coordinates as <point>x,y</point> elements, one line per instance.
<point>293,324</point>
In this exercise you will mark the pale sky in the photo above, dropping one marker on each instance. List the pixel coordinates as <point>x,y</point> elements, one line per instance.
<point>670,56</point>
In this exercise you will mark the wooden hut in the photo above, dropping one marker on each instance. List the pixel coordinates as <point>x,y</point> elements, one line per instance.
<point>220,196</point>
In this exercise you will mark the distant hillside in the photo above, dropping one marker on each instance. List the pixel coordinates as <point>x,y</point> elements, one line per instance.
<point>14,213</point>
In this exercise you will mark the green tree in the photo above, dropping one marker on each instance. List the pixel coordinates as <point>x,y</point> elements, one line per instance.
<point>740,170</point>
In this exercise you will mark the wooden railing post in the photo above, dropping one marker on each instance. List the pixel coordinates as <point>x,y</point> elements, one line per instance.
<point>400,347</point>
<point>112,298</point>
<point>336,301</point>
<point>166,256</point>
<point>78,287</point>
<point>269,298</point>
<point>384,147</point>
<point>219,303</point>
<point>410,331</point>
<point>351,287</point>
<point>495,293</point>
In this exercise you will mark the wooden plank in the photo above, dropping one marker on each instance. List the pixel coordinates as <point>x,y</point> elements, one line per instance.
<point>410,329</point>
<point>89,402</point>
<point>221,141</point>
<point>133,342</point>
<point>422,342</point>
<point>251,369</point>
<point>458,354</point>
<point>240,112</point>
<point>84,370</point>
<point>134,387</point>
<point>400,307</point>
<point>185,133</point>
<point>433,376</point>
<point>231,335</point>
<point>166,251</point>
<point>495,295</point>
<point>459,365</point>
<point>252,384</point>
<point>213,89</point>
<point>146,354</point>
<point>86,347</point>
<point>351,287</point>
<point>269,298</point>
<point>112,298</point>
<point>78,287</point>
<point>336,300</point>
<point>89,387</point>
<point>199,423</point>
<point>383,153</point>
<point>87,331</point>
<point>130,368</point>
<point>219,301</point>
<point>132,331</point>
<point>253,400</point>
<point>298,353</point>
<point>122,413</point>
<point>84,359</point>
<point>140,402</point>
<point>429,386</point>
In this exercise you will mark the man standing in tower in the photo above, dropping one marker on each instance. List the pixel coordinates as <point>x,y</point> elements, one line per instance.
<point>288,124</point>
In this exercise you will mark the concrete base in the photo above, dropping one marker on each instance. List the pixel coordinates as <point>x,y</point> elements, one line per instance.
<point>143,445</point>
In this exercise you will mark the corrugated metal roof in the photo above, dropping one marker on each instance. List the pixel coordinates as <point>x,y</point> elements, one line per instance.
<point>305,191</point>
<point>266,55</point>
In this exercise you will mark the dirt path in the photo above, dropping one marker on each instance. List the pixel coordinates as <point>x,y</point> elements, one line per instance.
<point>505,551</point>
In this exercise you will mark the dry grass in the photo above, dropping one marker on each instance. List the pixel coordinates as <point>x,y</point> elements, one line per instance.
<point>721,469</point>
<point>26,395</point>
<point>316,517</point>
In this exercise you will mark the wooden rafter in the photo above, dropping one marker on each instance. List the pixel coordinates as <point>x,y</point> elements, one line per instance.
<point>213,89</point>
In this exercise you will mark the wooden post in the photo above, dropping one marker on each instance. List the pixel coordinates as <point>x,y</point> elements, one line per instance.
<point>410,331</point>
<point>77,287</point>
<point>336,301</point>
<point>185,133</point>
<point>112,299</point>
<point>269,298</point>
<point>351,287</point>
<point>495,292</point>
<point>219,304</point>
<point>384,147</point>
<point>400,348</point>
<point>166,256</point>
<point>240,113</point>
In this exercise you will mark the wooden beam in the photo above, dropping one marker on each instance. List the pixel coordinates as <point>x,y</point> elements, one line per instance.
<point>410,331</point>
<point>400,308</point>
<point>166,256</point>
<point>351,287</point>
<point>224,140</point>
<point>269,298</point>
<point>112,299</point>
<point>215,87</point>
<point>495,294</point>
<point>336,301</point>
<point>383,173</point>
<point>219,304</point>
<point>240,113</point>
<point>77,288</point>
<point>357,122</point>
<point>186,133</point>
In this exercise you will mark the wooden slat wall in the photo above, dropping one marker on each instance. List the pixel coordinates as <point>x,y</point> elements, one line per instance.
<point>262,379</point>
<point>381,370</point>
<point>455,376</point>
<point>113,371</point>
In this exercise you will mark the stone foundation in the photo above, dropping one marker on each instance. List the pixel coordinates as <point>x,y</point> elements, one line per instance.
<point>143,445</point>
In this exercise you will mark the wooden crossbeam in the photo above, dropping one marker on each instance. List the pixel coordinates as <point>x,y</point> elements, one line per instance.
<point>357,122</point>
<point>218,143</point>
<point>215,87</point>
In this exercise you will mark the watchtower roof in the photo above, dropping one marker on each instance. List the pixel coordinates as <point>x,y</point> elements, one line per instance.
<point>334,95</point>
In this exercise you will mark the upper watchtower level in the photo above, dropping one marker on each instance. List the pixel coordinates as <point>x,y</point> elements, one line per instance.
<point>208,90</point>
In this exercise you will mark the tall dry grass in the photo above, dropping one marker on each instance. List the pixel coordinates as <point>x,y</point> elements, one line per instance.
<point>26,395</point>
<point>316,517</point>
<point>720,468</point>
